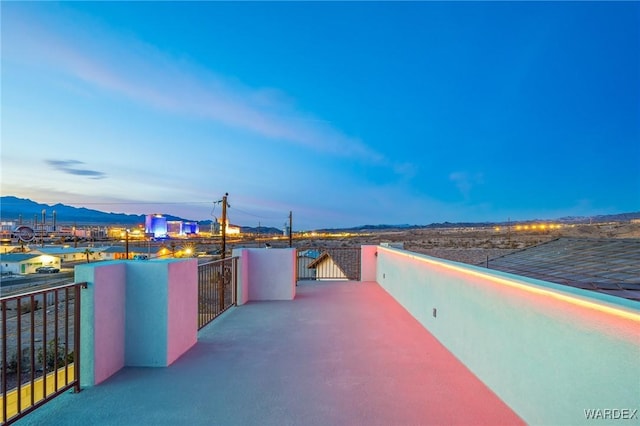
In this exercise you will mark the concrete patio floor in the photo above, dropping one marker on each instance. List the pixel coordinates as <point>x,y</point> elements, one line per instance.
<point>341,353</point>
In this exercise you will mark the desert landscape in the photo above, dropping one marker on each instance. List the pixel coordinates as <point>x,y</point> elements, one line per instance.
<point>474,245</point>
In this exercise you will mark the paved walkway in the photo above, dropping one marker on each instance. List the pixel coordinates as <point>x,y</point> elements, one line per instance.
<point>339,354</point>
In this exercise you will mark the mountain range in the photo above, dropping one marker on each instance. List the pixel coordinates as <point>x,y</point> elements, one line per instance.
<point>14,208</point>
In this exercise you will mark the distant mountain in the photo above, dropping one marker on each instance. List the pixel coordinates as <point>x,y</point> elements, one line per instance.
<point>620,217</point>
<point>14,208</point>
<point>262,230</point>
<point>372,228</point>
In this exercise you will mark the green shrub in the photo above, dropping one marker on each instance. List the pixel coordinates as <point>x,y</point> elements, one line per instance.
<point>52,362</point>
<point>25,308</point>
<point>25,362</point>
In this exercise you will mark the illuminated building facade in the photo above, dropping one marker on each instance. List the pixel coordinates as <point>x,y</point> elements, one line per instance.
<point>174,227</point>
<point>177,228</point>
<point>190,228</point>
<point>156,224</point>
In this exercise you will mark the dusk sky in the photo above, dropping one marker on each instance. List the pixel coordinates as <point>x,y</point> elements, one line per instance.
<point>346,113</point>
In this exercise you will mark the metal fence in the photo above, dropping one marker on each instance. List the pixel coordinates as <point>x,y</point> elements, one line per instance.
<point>329,263</point>
<point>217,282</point>
<point>40,351</point>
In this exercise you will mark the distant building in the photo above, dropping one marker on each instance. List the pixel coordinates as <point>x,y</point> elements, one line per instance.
<point>6,249</point>
<point>190,228</point>
<point>178,228</point>
<point>6,231</point>
<point>305,258</point>
<point>68,254</point>
<point>113,253</point>
<point>156,224</point>
<point>26,263</point>
<point>396,245</point>
<point>337,264</point>
<point>233,229</point>
<point>174,228</point>
<point>120,253</point>
<point>229,230</point>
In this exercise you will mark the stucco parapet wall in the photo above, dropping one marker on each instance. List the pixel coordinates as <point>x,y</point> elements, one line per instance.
<point>591,299</point>
<point>549,351</point>
<point>136,313</point>
<point>266,274</point>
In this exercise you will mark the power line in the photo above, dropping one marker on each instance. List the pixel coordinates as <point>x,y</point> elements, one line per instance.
<point>123,202</point>
<point>255,215</point>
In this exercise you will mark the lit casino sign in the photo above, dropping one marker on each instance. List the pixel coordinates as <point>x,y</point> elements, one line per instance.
<point>24,233</point>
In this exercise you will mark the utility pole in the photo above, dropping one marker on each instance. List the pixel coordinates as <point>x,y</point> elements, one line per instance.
<point>290,228</point>
<point>44,219</point>
<point>224,224</point>
<point>126,243</point>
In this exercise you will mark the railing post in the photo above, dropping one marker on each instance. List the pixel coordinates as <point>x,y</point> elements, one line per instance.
<point>3,305</point>
<point>220,283</point>
<point>19,350</point>
<point>234,297</point>
<point>76,337</point>
<point>44,346</point>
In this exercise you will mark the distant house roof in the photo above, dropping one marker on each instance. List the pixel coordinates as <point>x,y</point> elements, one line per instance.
<point>17,257</point>
<point>610,266</point>
<point>120,249</point>
<point>61,250</point>
<point>113,249</point>
<point>312,253</point>
<point>346,259</point>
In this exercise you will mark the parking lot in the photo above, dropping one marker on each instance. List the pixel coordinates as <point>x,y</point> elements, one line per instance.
<point>14,284</point>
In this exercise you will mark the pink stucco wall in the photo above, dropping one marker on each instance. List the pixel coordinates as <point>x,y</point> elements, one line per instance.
<point>368,263</point>
<point>109,320</point>
<point>272,274</point>
<point>243,276</point>
<point>182,317</point>
<point>266,274</point>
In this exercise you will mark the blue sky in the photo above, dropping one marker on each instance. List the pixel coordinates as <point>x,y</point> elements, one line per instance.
<point>344,113</point>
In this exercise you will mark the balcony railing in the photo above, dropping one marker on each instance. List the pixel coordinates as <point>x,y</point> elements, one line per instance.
<point>40,351</point>
<point>216,288</point>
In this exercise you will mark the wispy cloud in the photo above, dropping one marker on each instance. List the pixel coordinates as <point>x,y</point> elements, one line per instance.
<point>160,81</point>
<point>466,182</point>
<point>71,167</point>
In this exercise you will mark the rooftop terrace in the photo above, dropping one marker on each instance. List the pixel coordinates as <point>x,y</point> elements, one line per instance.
<point>418,341</point>
<point>340,353</point>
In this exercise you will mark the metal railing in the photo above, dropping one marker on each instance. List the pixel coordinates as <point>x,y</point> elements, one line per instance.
<point>40,351</point>
<point>329,263</point>
<point>217,283</point>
